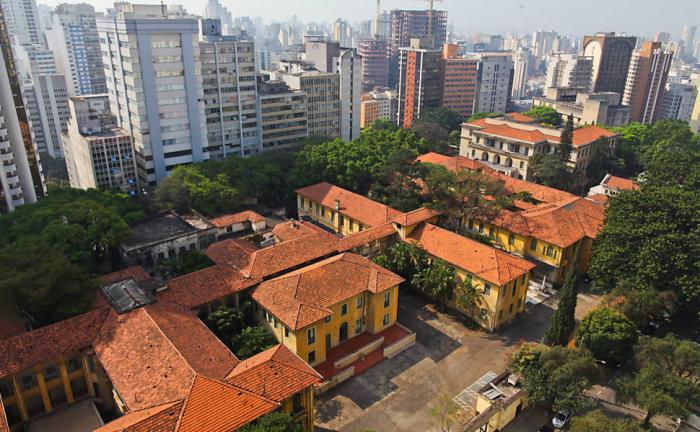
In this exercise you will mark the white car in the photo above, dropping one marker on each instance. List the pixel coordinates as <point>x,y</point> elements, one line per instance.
<point>561,418</point>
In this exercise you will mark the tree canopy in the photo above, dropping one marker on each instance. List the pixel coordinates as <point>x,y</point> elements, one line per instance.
<point>544,114</point>
<point>596,421</point>
<point>273,422</point>
<point>555,376</point>
<point>562,324</point>
<point>608,334</point>
<point>446,118</point>
<point>482,115</point>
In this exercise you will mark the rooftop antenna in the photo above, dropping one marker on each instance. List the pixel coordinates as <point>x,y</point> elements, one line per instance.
<point>163,10</point>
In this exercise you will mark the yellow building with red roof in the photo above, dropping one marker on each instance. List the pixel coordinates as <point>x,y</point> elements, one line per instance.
<point>506,144</point>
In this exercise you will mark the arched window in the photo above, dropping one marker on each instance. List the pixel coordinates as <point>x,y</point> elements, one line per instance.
<point>485,156</point>
<point>511,239</point>
<point>509,162</point>
<point>496,159</point>
<point>550,251</point>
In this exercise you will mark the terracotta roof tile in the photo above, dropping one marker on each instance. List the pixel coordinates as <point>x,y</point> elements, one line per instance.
<point>620,183</point>
<point>136,272</point>
<point>161,418</point>
<point>4,427</point>
<point>244,216</point>
<point>37,346</point>
<point>214,406</point>
<point>416,216</point>
<point>481,260</point>
<point>231,252</point>
<point>205,286</point>
<point>276,373</point>
<point>291,230</point>
<point>152,354</point>
<point>302,297</point>
<point>453,163</point>
<point>365,236</point>
<point>587,134</point>
<point>520,118</point>
<point>358,207</point>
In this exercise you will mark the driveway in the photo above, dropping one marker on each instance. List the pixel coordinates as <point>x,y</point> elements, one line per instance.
<point>398,394</point>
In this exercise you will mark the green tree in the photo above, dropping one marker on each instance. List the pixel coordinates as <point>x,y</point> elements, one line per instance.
<point>436,280</point>
<point>563,322</point>
<point>608,334</point>
<point>567,140</point>
<point>555,376</point>
<point>404,259</point>
<point>467,296</point>
<point>446,118</point>
<point>188,187</point>
<point>601,161</point>
<point>483,115</point>
<point>251,341</point>
<point>550,170</point>
<point>399,185</point>
<point>186,263</point>
<point>454,139</point>
<point>43,284</point>
<point>273,422</point>
<point>651,239</point>
<point>596,421</point>
<point>463,196</point>
<point>545,115</point>
<point>226,323</point>
<point>639,303</point>
<point>436,135</point>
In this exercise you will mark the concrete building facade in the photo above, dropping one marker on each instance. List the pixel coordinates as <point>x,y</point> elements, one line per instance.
<point>495,76</point>
<point>570,71</point>
<point>283,116</point>
<point>376,105</point>
<point>679,101</point>
<point>375,63</point>
<point>420,82</point>
<point>154,85</point>
<point>98,154</point>
<point>603,109</point>
<point>459,82</point>
<point>74,40</point>
<point>646,83</point>
<point>611,55</point>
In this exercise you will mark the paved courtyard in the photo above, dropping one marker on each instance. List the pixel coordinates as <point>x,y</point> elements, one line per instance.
<point>398,394</point>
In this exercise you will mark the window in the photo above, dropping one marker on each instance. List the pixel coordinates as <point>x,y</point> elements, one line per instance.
<point>510,309</point>
<point>511,239</point>
<point>296,403</point>
<point>50,372</point>
<point>286,331</point>
<point>550,251</point>
<point>500,314</point>
<point>487,289</point>
<point>329,318</point>
<point>360,301</point>
<point>27,381</point>
<point>311,335</point>
<point>344,309</point>
<point>385,321</point>
<point>358,326</point>
<point>387,298</point>
<point>481,227</point>
<point>471,225</point>
<point>492,232</point>
<point>533,244</point>
<point>483,313</point>
<point>515,284</point>
<point>274,322</point>
<point>73,364</point>
<point>312,357</point>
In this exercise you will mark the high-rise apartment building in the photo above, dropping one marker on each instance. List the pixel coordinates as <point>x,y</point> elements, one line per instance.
<point>375,63</point>
<point>420,82</point>
<point>495,77</point>
<point>687,42</point>
<point>679,101</point>
<point>459,81</point>
<point>46,101</point>
<point>611,55</point>
<point>23,22</point>
<point>646,83</point>
<point>283,115</point>
<point>543,43</point>
<point>21,178</point>
<point>98,153</point>
<point>322,96</point>
<point>413,24</point>
<point>153,78</point>
<point>216,11</point>
<point>662,37</point>
<point>332,57</point>
<point>569,71</point>
<point>74,41</point>
<point>521,60</point>
<point>341,33</point>
<point>230,93</point>
<point>376,105</point>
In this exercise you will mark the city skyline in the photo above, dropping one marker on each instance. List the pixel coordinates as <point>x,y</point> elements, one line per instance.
<point>516,16</point>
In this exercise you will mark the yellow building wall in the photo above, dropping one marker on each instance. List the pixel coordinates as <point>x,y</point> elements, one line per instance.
<point>502,417</point>
<point>328,216</point>
<point>370,314</point>
<point>305,416</point>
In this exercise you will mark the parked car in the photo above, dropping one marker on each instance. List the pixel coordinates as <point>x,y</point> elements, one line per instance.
<point>561,418</point>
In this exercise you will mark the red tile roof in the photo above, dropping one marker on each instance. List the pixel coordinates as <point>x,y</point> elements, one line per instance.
<point>136,272</point>
<point>291,230</point>
<point>588,134</point>
<point>161,418</point>
<point>276,374</point>
<point>352,205</point>
<point>520,118</point>
<point>244,216</point>
<point>304,296</point>
<point>620,183</point>
<point>214,406</point>
<point>481,260</point>
<point>364,237</point>
<point>28,349</point>
<point>537,134</point>
<point>416,216</point>
<point>561,224</point>
<point>453,163</point>
<point>205,286</point>
<point>152,354</point>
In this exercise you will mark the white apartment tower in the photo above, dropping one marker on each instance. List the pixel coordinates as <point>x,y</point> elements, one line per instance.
<point>152,66</point>
<point>569,71</point>
<point>520,64</point>
<point>23,22</point>
<point>230,93</point>
<point>73,39</point>
<point>679,101</point>
<point>495,80</point>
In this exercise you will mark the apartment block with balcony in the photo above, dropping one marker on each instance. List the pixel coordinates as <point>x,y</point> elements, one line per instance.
<point>283,116</point>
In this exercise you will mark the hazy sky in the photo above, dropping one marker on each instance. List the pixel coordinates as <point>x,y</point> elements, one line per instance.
<point>574,17</point>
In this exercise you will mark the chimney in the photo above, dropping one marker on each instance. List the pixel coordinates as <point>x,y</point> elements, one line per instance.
<point>337,204</point>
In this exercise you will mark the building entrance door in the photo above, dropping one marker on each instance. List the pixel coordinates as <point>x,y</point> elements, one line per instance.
<point>343,332</point>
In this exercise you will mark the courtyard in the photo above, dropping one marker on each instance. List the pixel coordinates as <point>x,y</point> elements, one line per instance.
<point>448,357</point>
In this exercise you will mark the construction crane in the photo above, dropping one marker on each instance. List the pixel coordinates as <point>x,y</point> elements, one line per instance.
<point>431,10</point>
